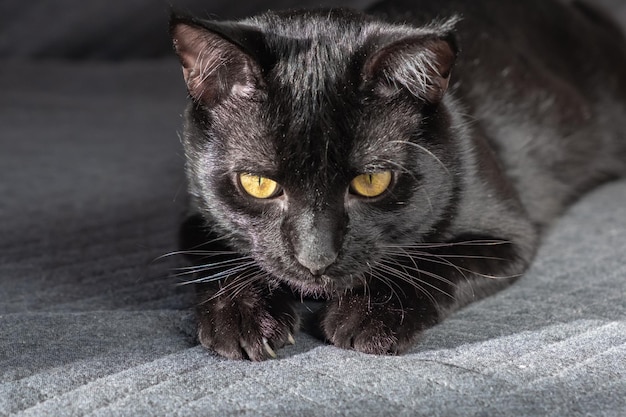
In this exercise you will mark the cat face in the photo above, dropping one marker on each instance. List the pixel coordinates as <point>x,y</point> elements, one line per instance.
<point>318,152</point>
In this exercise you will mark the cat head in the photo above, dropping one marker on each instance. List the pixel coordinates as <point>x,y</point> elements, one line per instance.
<point>318,141</point>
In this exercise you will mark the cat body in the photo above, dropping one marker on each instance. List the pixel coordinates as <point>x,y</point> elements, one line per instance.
<point>398,164</point>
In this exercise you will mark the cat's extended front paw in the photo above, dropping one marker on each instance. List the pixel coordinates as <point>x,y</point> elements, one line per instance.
<point>384,327</point>
<point>251,325</point>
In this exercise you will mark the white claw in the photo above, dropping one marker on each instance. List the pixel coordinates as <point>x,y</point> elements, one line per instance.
<point>268,349</point>
<point>290,339</point>
<point>246,348</point>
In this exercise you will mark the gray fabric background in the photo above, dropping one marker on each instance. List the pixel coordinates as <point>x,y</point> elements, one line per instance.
<point>91,323</point>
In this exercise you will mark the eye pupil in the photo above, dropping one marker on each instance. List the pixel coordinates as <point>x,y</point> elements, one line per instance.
<point>371,184</point>
<point>258,186</point>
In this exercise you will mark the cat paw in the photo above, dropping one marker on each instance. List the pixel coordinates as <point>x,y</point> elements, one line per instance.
<point>383,328</point>
<point>246,327</point>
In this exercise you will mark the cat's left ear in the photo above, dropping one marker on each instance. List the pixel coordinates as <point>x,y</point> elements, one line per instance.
<point>215,58</point>
<point>420,62</point>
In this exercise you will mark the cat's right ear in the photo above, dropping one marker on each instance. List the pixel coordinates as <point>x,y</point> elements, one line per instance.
<point>214,62</point>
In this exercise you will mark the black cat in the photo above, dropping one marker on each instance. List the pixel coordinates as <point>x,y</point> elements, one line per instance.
<point>399,164</point>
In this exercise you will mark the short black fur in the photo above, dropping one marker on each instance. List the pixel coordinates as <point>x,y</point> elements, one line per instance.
<point>491,116</point>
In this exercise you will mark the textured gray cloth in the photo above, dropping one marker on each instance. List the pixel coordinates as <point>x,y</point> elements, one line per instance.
<point>92,323</point>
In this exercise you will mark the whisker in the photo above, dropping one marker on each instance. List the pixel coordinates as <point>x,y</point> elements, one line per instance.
<point>400,167</point>
<point>423,149</point>
<point>389,263</point>
<point>246,281</point>
<point>406,272</point>
<point>212,277</point>
<point>452,256</point>
<point>428,257</point>
<point>232,281</point>
<point>441,259</point>
<point>388,282</point>
<point>235,285</point>
<point>194,250</point>
<point>198,252</point>
<point>425,256</point>
<point>430,203</point>
<point>433,245</point>
<point>218,276</point>
<point>413,279</point>
<point>366,287</point>
<point>208,267</point>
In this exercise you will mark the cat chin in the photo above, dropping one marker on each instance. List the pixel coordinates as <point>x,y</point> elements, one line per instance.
<point>320,287</point>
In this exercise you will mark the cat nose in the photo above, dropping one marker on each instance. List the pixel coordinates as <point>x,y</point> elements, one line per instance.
<point>317,264</point>
<point>316,237</point>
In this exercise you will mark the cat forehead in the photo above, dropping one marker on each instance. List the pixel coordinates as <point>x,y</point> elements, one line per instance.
<point>309,24</point>
<point>312,50</point>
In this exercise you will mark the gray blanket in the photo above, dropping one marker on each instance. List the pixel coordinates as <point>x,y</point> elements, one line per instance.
<point>92,321</point>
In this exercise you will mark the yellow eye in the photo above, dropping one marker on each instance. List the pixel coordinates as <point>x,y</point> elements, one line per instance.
<point>371,185</point>
<point>258,186</point>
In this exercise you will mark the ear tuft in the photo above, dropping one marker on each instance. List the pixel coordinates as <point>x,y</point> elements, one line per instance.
<point>420,62</point>
<point>214,67</point>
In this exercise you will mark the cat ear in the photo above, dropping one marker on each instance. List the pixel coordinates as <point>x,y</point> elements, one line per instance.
<point>215,64</point>
<point>419,62</point>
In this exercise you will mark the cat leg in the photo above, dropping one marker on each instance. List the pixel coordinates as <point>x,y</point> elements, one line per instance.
<point>376,321</point>
<point>240,314</point>
<point>245,320</point>
<point>417,288</point>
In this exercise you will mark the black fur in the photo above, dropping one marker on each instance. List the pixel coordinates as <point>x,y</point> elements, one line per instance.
<point>492,116</point>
